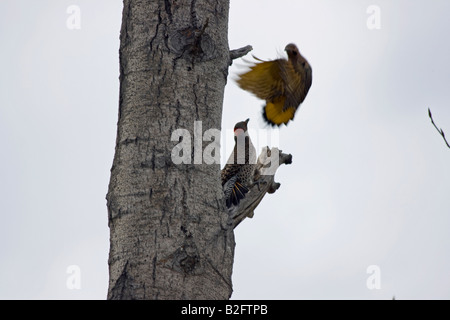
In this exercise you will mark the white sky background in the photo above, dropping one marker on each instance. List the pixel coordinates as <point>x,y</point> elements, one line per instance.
<point>369,183</point>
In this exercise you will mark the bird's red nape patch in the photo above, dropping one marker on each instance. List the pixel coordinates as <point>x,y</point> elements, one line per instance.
<point>238,131</point>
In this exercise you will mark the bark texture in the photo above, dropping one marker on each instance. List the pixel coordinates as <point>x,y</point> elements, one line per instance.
<point>170,234</point>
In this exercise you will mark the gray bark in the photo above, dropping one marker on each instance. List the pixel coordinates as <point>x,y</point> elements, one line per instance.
<point>168,228</point>
<point>171,236</point>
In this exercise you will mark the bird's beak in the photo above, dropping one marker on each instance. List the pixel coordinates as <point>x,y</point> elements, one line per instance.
<point>246,121</point>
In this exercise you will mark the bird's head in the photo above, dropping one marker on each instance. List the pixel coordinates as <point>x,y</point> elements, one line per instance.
<point>295,56</point>
<point>240,128</point>
<point>292,51</point>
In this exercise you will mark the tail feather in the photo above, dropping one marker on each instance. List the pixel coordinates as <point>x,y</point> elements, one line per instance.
<point>234,192</point>
<point>275,114</point>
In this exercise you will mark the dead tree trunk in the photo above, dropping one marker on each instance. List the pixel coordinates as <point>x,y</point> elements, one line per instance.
<point>170,234</point>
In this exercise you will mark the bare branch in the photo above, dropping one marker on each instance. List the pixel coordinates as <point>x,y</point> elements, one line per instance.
<point>268,162</point>
<point>441,132</point>
<point>237,53</point>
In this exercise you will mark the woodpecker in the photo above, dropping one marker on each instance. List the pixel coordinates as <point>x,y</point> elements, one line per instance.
<point>283,83</point>
<point>237,174</point>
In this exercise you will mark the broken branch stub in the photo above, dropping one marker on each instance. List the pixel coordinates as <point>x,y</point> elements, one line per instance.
<point>238,53</point>
<point>267,164</point>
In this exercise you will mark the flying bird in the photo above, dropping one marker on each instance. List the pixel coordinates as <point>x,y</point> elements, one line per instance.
<point>237,174</point>
<point>283,83</point>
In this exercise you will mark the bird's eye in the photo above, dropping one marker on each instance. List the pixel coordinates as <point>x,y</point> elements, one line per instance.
<point>295,53</point>
<point>303,64</point>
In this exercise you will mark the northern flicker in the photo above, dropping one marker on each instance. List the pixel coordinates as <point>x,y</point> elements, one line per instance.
<point>284,84</point>
<point>237,174</point>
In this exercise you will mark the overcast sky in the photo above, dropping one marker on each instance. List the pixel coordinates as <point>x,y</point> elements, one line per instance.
<point>368,187</point>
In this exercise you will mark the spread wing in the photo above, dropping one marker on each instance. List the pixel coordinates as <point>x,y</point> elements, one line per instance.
<point>270,80</point>
<point>264,79</point>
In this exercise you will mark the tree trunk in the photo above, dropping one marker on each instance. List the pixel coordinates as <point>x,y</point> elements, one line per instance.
<point>169,234</point>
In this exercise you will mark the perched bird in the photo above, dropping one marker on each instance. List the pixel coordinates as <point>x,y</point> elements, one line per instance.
<point>284,84</point>
<point>237,174</point>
